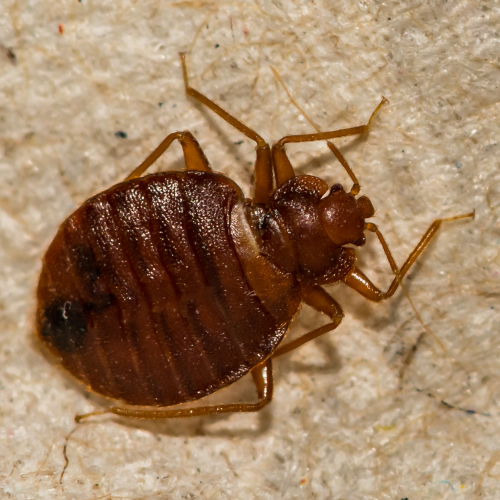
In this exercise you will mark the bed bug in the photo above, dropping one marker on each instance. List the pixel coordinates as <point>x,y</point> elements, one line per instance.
<point>168,287</point>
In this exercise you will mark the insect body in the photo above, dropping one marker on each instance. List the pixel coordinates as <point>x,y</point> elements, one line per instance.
<point>165,288</point>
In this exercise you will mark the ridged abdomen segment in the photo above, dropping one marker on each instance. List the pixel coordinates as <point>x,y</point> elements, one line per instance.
<point>142,295</point>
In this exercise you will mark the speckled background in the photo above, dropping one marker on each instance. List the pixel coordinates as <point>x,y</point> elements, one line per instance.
<point>342,425</point>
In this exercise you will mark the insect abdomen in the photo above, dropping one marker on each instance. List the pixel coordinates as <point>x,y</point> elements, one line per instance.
<point>142,295</point>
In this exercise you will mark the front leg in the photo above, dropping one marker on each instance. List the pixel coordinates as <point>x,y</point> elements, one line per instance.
<point>316,297</point>
<point>358,281</point>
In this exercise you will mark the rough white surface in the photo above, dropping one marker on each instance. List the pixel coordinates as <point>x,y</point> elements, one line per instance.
<point>342,425</point>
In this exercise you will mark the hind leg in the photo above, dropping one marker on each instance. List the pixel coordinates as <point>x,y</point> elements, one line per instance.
<point>262,377</point>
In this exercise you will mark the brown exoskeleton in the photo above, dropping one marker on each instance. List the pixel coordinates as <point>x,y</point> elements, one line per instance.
<point>166,288</point>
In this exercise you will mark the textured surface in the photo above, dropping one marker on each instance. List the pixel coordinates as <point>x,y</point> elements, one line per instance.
<point>76,77</point>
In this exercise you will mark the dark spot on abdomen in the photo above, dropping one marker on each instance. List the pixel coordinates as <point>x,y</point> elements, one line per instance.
<point>64,325</point>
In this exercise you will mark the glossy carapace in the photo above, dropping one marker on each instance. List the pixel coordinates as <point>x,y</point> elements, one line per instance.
<point>168,287</point>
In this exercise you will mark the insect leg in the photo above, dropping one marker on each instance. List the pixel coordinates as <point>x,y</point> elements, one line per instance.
<point>323,302</point>
<point>263,166</point>
<point>284,170</point>
<point>194,156</point>
<point>357,280</point>
<point>263,379</point>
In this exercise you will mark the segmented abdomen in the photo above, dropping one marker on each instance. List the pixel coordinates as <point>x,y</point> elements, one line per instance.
<point>142,296</point>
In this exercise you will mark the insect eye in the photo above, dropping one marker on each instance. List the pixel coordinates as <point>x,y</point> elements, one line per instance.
<point>359,242</point>
<point>336,187</point>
